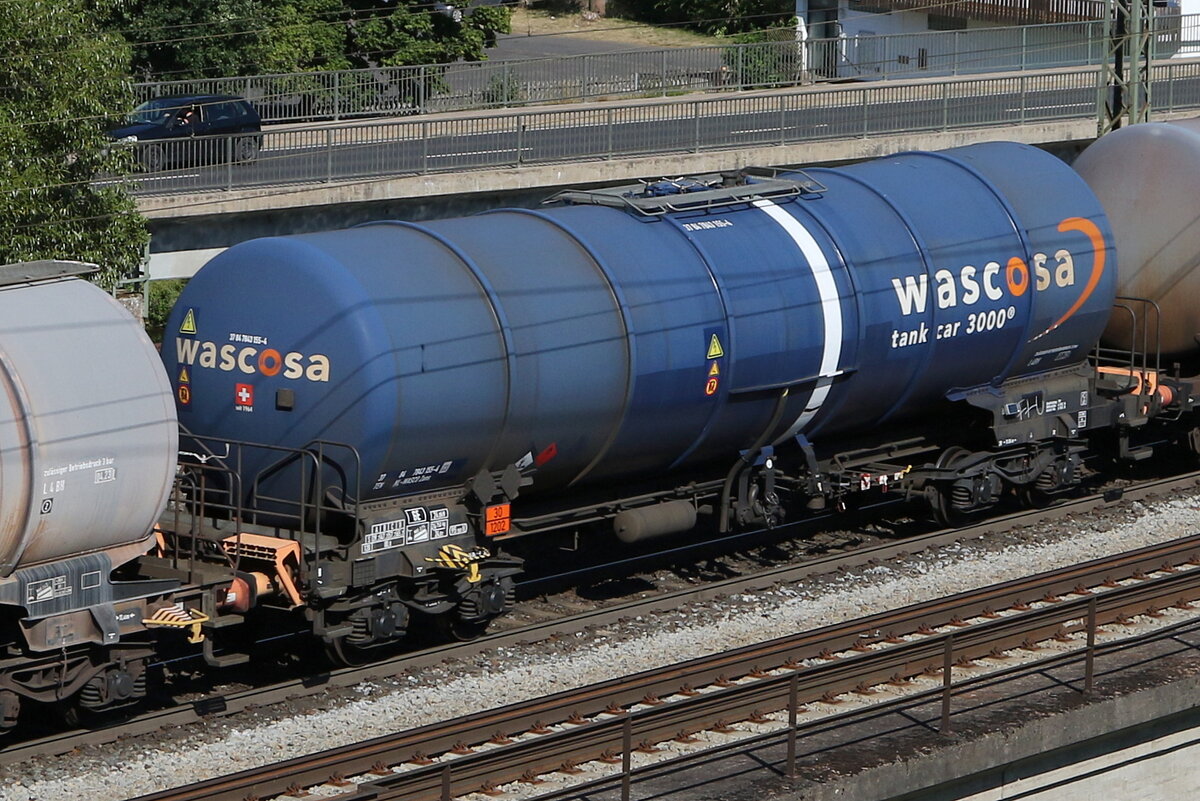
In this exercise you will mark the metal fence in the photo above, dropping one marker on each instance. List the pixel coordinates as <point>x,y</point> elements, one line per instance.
<point>493,84</point>
<point>392,91</point>
<point>609,131</point>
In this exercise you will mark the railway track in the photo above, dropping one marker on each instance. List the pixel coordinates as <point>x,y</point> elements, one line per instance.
<point>595,731</point>
<point>232,703</point>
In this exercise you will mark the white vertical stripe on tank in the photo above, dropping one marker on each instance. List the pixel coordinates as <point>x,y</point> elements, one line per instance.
<point>831,310</point>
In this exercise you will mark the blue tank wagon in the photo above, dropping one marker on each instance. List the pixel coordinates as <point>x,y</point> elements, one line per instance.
<point>741,346</point>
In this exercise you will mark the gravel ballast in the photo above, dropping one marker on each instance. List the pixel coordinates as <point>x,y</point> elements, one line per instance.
<point>147,764</point>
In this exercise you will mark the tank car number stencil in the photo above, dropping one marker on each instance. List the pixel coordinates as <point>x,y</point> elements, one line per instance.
<point>707,225</point>
<point>418,475</point>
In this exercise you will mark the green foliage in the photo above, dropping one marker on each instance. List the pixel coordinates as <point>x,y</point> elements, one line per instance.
<point>162,297</point>
<point>171,39</point>
<point>411,35</point>
<point>504,90</point>
<point>715,17</point>
<point>491,20</point>
<point>177,40</point>
<point>61,82</point>
<point>774,61</point>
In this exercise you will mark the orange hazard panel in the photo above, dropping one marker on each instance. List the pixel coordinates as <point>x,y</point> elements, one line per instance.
<point>497,519</point>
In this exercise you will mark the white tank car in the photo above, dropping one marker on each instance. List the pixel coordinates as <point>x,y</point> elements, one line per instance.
<point>1148,179</point>
<point>88,432</point>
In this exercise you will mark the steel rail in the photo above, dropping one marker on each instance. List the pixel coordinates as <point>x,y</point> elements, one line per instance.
<point>227,704</point>
<point>836,720</point>
<point>871,649</point>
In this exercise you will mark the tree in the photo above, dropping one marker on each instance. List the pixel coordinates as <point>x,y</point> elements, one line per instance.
<point>490,20</point>
<point>711,16</point>
<point>61,81</point>
<point>173,40</point>
<point>424,33</point>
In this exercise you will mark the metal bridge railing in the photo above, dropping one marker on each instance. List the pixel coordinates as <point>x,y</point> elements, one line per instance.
<point>611,131</point>
<point>392,91</point>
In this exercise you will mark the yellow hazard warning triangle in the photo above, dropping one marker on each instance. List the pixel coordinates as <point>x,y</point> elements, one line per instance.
<point>184,378</point>
<point>714,370</point>
<point>188,326</point>
<point>715,351</point>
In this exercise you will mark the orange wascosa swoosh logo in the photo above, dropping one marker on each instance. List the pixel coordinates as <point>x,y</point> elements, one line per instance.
<point>1099,256</point>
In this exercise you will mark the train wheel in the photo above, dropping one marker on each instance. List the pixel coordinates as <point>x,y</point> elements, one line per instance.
<point>457,630</point>
<point>941,498</point>
<point>377,632</point>
<point>347,654</point>
<point>70,713</point>
<point>1030,497</point>
<point>479,606</point>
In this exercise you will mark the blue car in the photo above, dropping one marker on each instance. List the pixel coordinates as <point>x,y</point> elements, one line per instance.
<point>192,130</point>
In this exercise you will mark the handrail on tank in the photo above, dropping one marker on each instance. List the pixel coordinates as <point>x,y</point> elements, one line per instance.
<point>197,499</point>
<point>1135,359</point>
<point>321,445</point>
<point>291,517</point>
<point>315,449</point>
<point>201,465</point>
<point>293,456</point>
<point>235,454</point>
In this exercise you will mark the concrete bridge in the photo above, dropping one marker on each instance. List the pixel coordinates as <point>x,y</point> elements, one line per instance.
<point>322,177</point>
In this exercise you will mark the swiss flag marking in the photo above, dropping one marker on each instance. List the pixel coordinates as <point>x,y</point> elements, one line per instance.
<point>243,394</point>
